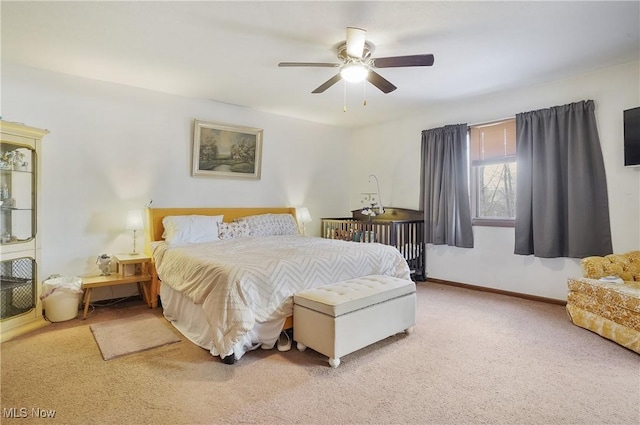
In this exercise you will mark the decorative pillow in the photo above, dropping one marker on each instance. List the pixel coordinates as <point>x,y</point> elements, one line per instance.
<point>181,229</point>
<point>625,266</point>
<point>232,230</point>
<point>270,224</point>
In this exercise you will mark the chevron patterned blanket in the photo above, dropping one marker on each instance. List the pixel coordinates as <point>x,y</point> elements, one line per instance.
<point>243,281</point>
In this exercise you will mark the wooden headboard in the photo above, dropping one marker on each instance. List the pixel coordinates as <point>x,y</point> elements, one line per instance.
<point>155,216</point>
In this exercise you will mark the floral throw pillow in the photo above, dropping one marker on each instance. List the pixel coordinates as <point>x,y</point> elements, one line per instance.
<point>270,224</point>
<point>232,230</point>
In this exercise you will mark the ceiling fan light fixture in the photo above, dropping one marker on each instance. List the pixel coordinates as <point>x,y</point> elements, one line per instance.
<point>354,72</point>
<point>357,65</point>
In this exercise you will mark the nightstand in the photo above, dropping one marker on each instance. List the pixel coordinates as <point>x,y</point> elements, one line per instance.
<point>129,269</point>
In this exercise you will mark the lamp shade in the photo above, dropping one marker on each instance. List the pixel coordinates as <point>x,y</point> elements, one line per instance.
<point>134,220</point>
<point>303,215</point>
<point>354,72</point>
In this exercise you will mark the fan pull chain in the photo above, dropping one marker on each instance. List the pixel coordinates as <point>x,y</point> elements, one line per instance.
<point>364,93</point>
<point>344,104</point>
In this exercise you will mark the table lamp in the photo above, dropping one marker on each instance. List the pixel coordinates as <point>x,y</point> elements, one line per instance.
<point>134,222</point>
<point>303,216</point>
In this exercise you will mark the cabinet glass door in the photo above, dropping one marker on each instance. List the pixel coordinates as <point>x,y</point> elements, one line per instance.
<point>17,288</point>
<point>17,194</point>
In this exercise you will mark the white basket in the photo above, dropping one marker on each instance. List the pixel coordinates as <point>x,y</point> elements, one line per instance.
<point>62,298</point>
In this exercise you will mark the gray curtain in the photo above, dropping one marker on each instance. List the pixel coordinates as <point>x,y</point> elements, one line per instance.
<point>562,207</point>
<point>445,194</point>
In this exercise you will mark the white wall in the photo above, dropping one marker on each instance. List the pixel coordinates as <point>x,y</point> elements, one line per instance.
<point>392,152</point>
<point>112,148</point>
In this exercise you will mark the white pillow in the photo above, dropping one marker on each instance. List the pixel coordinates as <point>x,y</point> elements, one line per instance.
<point>181,229</point>
<point>270,224</point>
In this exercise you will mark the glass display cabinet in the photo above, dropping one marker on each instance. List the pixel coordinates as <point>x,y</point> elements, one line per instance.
<point>20,288</point>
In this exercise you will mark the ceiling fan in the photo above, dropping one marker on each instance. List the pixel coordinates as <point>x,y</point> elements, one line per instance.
<point>358,65</point>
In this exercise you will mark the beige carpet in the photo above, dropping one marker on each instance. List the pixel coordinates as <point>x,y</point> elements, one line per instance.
<point>130,335</point>
<point>474,358</point>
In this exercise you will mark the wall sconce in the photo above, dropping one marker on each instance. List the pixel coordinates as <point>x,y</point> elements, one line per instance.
<point>134,222</point>
<point>303,216</point>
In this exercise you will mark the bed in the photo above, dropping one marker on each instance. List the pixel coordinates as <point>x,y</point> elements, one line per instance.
<point>233,293</point>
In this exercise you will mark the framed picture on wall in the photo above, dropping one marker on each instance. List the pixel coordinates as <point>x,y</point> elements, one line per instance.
<point>225,150</point>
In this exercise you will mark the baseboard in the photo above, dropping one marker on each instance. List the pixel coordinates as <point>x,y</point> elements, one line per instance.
<point>498,291</point>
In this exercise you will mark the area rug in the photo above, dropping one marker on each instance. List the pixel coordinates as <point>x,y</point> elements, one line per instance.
<point>130,335</point>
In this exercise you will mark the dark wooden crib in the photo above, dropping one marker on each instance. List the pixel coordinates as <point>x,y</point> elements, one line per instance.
<point>398,227</point>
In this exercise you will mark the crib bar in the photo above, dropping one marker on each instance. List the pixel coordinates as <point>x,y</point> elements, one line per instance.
<point>405,235</point>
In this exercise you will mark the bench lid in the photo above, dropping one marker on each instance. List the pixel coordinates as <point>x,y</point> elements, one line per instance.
<point>354,294</point>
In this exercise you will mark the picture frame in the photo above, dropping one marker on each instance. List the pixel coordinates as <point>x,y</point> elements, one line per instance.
<point>226,150</point>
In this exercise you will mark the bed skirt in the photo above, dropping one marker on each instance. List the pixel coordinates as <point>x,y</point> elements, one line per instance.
<point>189,318</point>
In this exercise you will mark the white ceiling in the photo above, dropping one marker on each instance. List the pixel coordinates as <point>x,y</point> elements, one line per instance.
<point>229,51</point>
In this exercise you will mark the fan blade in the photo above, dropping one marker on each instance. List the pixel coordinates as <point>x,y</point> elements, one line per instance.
<point>331,81</point>
<point>379,81</point>
<point>320,64</point>
<point>399,61</point>
<point>355,42</point>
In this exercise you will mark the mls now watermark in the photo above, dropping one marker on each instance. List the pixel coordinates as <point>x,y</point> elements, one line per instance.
<point>23,412</point>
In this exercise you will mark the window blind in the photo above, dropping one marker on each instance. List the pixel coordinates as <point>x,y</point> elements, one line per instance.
<point>494,142</point>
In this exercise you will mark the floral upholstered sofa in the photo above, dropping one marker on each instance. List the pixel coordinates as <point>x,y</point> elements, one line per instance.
<point>606,300</point>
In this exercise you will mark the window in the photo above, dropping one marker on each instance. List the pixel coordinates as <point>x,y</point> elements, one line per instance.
<point>492,154</point>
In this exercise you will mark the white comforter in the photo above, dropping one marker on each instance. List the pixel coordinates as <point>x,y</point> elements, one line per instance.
<point>243,281</point>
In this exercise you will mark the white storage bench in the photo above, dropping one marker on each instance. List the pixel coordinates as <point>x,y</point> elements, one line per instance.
<point>343,317</point>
